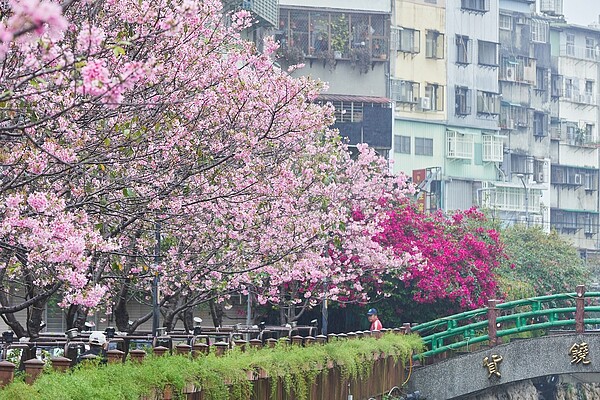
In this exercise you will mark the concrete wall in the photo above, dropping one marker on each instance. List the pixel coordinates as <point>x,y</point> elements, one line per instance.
<point>521,360</point>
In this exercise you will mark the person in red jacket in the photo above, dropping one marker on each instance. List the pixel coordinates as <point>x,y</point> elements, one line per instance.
<point>374,320</point>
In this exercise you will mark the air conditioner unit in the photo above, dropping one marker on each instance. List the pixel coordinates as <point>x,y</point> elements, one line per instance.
<point>510,73</point>
<point>539,177</point>
<point>577,179</point>
<point>425,103</point>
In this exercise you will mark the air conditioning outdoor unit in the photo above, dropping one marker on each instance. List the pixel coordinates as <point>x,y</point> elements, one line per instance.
<point>540,177</point>
<point>425,103</point>
<point>577,179</point>
<point>510,73</point>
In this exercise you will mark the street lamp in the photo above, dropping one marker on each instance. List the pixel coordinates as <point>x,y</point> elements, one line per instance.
<point>521,176</point>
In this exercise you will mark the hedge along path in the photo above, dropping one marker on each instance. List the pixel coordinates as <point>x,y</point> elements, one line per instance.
<point>221,378</point>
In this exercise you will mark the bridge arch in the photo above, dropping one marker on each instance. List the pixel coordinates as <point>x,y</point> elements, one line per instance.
<point>523,359</point>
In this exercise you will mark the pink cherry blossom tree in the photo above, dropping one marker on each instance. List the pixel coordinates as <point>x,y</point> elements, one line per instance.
<point>130,114</point>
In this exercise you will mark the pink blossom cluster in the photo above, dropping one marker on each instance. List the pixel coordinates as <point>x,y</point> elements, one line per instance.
<point>38,16</point>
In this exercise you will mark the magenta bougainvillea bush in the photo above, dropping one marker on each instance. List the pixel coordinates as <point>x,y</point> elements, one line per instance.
<point>458,255</point>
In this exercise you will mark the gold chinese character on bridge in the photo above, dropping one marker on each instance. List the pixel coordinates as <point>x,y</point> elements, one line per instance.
<point>491,363</point>
<point>579,353</point>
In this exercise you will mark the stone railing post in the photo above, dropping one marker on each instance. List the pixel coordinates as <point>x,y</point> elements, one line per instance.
<point>115,356</point>
<point>221,348</point>
<point>321,339</point>
<point>33,369</point>
<point>7,373</point>
<point>579,309</point>
<point>160,351</point>
<point>297,340</point>
<point>183,349</point>
<point>200,348</point>
<point>60,363</point>
<point>256,343</point>
<point>492,315</point>
<point>241,344</point>
<point>137,355</point>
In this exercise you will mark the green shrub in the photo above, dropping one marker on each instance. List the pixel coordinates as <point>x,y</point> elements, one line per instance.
<point>221,378</point>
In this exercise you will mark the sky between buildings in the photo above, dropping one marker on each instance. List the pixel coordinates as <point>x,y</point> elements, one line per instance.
<point>581,12</point>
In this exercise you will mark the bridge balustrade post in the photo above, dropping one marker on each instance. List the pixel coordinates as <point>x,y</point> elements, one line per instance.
<point>492,315</point>
<point>579,308</point>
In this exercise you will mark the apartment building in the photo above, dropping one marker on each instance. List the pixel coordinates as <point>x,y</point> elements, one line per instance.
<point>574,152</point>
<point>418,87</point>
<point>344,43</point>
<point>522,195</point>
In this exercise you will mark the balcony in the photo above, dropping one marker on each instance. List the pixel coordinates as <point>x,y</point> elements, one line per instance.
<point>266,11</point>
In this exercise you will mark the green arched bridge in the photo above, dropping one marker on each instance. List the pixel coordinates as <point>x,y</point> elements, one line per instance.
<point>479,350</point>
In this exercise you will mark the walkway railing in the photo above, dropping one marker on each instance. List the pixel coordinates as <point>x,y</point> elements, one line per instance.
<point>502,319</point>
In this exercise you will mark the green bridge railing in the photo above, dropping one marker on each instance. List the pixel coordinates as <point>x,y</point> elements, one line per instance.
<point>502,319</point>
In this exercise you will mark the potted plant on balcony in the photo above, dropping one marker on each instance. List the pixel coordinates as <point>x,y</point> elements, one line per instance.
<point>340,36</point>
<point>361,57</point>
<point>292,55</point>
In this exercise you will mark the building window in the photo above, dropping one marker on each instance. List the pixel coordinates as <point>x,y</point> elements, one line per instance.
<point>463,49</point>
<point>348,111</point>
<point>493,148</point>
<point>405,91</point>
<point>540,124</point>
<point>541,79</point>
<point>556,86</point>
<point>488,103</point>
<point>589,132</point>
<point>476,5</point>
<point>568,88</point>
<point>570,44</point>
<point>434,45</point>
<point>435,93</point>
<point>459,145</point>
<point>488,53</point>
<point>513,117</point>
<point>506,22</point>
<point>409,40</point>
<point>539,31</point>
<point>462,97</point>
<point>401,144</point>
<point>423,147</point>
<point>590,51</point>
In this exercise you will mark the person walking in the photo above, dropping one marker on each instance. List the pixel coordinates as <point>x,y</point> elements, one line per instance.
<point>374,320</point>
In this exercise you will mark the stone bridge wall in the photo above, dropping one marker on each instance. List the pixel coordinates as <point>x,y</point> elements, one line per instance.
<point>522,360</point>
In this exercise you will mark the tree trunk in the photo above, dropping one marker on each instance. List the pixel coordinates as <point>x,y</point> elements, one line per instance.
<point>120,312</point>
<point>216,312</point>
<point>188,319</point>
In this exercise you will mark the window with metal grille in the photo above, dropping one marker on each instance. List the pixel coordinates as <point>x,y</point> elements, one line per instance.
<point>476,5</point>
<point>434,44</point>
<point>462,101</point>
<point>463,49</point>
<point>405,91</point>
